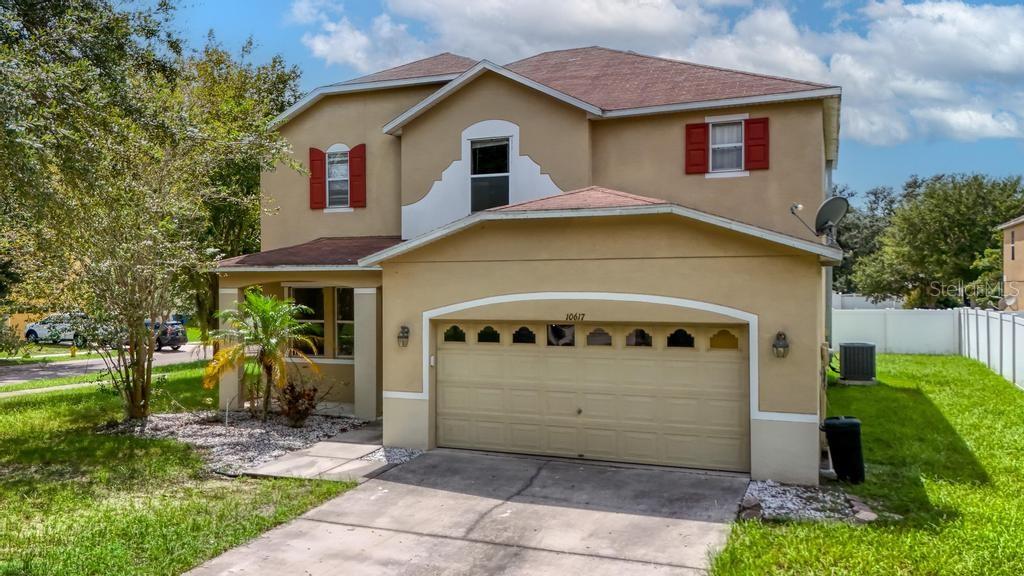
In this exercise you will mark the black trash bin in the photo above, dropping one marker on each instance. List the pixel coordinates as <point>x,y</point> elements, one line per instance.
<point>843,434</point>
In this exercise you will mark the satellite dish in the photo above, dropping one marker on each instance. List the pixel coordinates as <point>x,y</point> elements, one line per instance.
<point>829,214</point>
<point>1007,302</point>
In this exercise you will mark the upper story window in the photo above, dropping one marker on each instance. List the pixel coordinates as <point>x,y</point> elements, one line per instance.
<point>337,176</point>
<point>489,173</point>
<point>726,146</point>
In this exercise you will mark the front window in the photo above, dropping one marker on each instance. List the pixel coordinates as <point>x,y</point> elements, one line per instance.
<point>312,298</point>
<point>726,146</point>
<point>337,178</point>
<point>489,173</point>
<point>345,324</point>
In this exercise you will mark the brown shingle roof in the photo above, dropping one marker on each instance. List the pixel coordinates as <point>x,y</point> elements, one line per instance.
<point>614,80</point>
<point>320,252</point>
<point>582,199</point>
<point>444,63</point>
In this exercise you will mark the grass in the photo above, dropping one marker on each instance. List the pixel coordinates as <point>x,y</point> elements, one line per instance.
<point>74,501</point>
<point>36,353</point>
<point>944,446</point>
<point>99,376</point>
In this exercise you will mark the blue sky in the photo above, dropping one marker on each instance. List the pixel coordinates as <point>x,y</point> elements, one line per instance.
<point>928,87</point>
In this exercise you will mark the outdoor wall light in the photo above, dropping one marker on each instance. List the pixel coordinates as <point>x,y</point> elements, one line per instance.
<point>781,345</point>
<point>403,336</point>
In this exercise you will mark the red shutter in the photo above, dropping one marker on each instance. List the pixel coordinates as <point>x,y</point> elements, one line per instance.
<point>696,148</point>
<point>317,179</point>
<point>755,154</point>
<point>357,176</point>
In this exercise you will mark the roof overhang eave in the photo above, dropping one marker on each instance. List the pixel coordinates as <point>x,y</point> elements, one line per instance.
<point>296,268</point>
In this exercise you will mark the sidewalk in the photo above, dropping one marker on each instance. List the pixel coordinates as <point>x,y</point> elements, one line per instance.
<point>337,458</point>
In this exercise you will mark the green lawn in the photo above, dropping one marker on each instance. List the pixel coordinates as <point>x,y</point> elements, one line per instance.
<point>76,502</point>
<point>944,445</point>
<point>35,353</point>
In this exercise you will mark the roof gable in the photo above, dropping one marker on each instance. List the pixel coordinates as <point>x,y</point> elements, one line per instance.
<point>482,67</point>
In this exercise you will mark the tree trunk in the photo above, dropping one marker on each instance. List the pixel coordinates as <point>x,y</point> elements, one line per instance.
<point>268,376</point>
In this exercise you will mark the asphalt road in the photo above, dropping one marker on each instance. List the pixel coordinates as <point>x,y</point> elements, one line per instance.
<point>26,372</point>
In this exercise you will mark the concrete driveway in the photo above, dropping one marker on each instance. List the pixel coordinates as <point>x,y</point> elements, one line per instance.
<point>459,512</point>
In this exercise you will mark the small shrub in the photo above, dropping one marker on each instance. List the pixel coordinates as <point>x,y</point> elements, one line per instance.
<point>297,402</point>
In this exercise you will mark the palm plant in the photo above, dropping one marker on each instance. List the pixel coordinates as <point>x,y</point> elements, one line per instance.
<point>264,324</point>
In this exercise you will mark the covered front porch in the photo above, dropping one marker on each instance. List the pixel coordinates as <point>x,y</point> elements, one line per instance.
<point>344,300</point>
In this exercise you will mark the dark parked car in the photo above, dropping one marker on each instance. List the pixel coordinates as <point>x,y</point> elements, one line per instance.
<point>171,334</point>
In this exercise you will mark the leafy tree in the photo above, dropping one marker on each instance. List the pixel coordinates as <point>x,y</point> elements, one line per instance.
<point>124,239</point>
<point>63,64</point>
<point>859,232</point>
<point>241,97</point>
<point>940,229</point>
<point>268,325</point>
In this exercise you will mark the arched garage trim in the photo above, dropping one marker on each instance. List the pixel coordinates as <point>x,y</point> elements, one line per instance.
<point>749,318</point>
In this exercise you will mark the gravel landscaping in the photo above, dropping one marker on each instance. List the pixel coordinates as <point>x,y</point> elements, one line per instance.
<point>774,501</point>
<point>245,442</point>
<point>392,455</point>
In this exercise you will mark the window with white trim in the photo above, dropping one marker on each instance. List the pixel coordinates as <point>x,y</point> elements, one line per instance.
<point>337,176</point>
<point>312,298</point>
<point>726,146</point>
<point>345,326</point>
<point>489,173</point>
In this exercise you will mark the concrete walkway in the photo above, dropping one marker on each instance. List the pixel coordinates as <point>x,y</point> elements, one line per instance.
<point>46,370</point>
<point>459,512</point>
<point>337,458</point>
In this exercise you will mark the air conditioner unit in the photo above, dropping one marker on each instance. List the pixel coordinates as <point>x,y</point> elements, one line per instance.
<point>857,363</point>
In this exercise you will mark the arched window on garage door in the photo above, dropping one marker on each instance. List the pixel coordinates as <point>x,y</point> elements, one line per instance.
<point>488,335</point>
<point>599,337</point>
<point>454,334</point>
<point>639,338</point>
<point>524,335</point>
<point>680,339</point>
<point>724,340</point>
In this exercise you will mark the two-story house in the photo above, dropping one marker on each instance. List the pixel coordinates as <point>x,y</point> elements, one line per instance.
<point>587,253</point>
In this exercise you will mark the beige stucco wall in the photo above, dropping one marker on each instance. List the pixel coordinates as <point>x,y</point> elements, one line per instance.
<point>1013,265</point>
<point>670,257</point>
<point>644,155</point>
<point>349,119</point>
<point>554,135</point>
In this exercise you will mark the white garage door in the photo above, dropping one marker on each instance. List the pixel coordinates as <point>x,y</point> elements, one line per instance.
<point>646,393</point>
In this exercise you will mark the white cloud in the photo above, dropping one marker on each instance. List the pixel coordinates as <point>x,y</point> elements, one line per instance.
<point>937,68</point>
<point>383,45</point>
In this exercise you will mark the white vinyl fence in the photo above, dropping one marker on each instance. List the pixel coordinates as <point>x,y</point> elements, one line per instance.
<point>899,331</point>
<point>995,339</point>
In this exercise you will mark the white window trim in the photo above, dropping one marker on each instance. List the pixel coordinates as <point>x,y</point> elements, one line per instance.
<point>712,147</point>
<point>727,174</point>
<point>508,159</point>
<point>338,210</point>
<point>337,149</point>
<point>337,323</point>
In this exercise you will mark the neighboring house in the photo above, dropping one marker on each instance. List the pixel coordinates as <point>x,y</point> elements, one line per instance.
<point>586,253</point>
<point>1013,263</point>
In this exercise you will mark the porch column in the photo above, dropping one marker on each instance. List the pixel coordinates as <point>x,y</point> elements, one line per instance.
<point>232,394</point>
<point>365,389</point>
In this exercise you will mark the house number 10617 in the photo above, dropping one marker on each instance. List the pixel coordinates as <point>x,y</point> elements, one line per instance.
<point>574,317</point>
